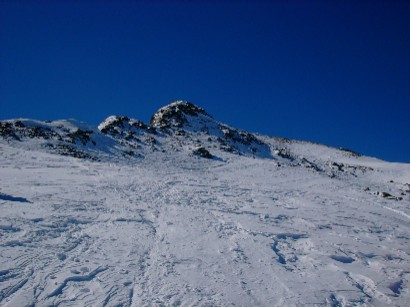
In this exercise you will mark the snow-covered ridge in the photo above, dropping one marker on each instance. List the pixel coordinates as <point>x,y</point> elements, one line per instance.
<point>178,127</point>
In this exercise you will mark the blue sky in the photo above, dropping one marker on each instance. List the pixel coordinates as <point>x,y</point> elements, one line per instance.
<point>333,72</point>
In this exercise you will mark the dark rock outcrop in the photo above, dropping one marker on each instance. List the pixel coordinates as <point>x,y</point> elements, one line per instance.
<point>175,114</point>
<point>202,152</point>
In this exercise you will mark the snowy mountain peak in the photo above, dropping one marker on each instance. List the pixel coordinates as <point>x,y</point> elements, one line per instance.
<point>177,114</point>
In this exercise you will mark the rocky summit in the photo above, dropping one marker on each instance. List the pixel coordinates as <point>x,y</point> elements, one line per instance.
<point>178,114</point>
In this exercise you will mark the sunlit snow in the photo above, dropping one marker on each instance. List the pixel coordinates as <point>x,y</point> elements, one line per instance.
<point>301,225</point>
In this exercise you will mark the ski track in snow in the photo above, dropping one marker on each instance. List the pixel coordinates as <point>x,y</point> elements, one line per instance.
<point>195,232</point>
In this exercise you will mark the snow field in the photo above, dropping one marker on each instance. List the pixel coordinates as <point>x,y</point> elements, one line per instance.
<point>169,230</point>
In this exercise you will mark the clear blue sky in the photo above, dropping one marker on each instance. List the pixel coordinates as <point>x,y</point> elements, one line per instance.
<point>334,72</point>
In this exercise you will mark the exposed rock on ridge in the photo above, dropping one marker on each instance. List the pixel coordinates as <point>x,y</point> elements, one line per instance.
<point>185,124</point>
<point>178,127</point>
<point>176,114</point>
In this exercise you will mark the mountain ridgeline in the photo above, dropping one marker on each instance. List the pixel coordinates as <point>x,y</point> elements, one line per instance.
<point>181,121</point>
<point>178,127</point>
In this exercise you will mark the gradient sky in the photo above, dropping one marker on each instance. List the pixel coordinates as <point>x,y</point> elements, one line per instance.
<point>333,72</point>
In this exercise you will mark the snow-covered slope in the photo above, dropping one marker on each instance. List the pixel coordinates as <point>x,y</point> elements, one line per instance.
<point>187,211</point>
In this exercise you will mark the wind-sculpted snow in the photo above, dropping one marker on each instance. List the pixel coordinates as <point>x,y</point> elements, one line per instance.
<point>173,229</point>
<point>188,211</point>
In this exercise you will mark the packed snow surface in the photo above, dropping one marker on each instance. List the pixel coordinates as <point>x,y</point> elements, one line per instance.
<point>308,226</point>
